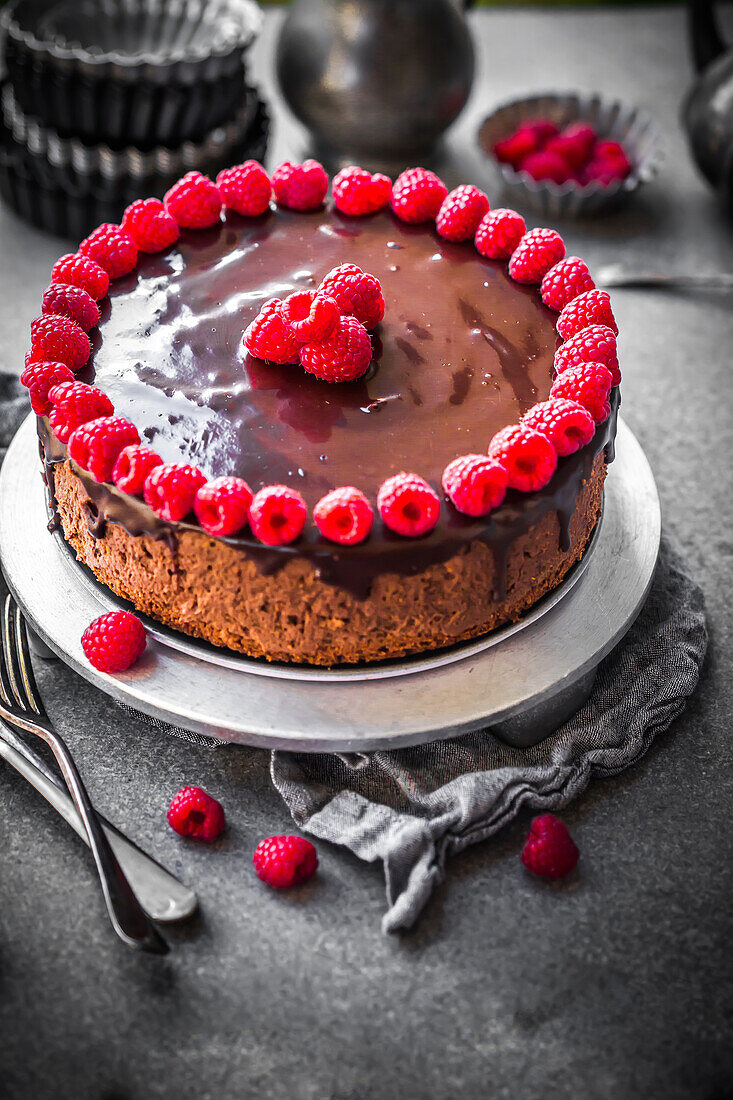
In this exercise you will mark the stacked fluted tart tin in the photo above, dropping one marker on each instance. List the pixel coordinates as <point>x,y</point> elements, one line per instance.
<point>107,101</point>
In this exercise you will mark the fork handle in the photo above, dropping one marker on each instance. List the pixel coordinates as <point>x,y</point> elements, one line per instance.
<point>128,918</point>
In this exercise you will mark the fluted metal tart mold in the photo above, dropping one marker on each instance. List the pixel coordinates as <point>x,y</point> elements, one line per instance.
<point>610,118</point>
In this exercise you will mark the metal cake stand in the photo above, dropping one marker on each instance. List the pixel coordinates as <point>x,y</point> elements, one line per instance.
<point>523,680</point>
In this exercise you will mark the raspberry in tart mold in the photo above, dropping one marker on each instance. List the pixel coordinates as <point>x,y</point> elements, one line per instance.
<point>338,432</point>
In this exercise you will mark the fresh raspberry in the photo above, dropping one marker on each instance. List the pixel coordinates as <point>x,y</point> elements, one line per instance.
<point>194,202</point>
<point>536,253</point>
<point>150,225</point>
<point>96,444</point>
<point>613,152</point>
<point>59,339</point>
<point>170,489</point>
<point>344,516</point>
<point>513,149</point>
<point>343,357</point>
<point>543,129</point>
<point>113,642</point>
<point>74,403</point>
<point>544,165</point>
<point>357,192</point>
<point>565,281</point>
<point>550,850</point>
<point>408,505</point>
<point>594,344</point>
<point>567,425</point>
<point>417,195</point>
<point>300,186</point>
<point>80,271</point>
<point>112,248</point>
<point>499,232</point>
<point>589,384</point>
<point>131,468</point>
<point>283,861</point>
<point>245,188</point>
<point>356,293</point>
<point>311,315</point>
<point>605,172</point>
<point>527,456</point>
<point>591,308</point>
<point>65,300</point>
<point>460,213</point>
<point>270,337</point>
<point>195,813</point>
<point>277,515</point>
<point>222,505</point>
<point>41,377</point>
<point>574,144</point>
<point>475,484</point>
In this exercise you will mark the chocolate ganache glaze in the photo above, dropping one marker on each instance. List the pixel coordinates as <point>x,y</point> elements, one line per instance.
<point>462,352</point>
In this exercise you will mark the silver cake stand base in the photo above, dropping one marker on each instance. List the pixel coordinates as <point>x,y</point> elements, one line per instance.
<point>523,681</point>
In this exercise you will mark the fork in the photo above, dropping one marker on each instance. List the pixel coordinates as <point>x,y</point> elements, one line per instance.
<point>17,691</point>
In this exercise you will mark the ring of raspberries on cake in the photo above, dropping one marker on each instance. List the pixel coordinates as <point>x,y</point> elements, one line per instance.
<point>325,430</point>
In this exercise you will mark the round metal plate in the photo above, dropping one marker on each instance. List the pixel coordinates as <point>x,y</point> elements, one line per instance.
<point>408,702</point>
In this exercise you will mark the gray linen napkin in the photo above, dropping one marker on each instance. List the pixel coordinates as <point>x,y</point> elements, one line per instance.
<point>412,808</point>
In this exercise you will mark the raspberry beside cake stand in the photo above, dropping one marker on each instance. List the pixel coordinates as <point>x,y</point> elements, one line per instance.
<point>523,680</point>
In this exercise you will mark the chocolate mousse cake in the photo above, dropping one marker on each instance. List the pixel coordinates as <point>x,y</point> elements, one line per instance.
<point>492,348</point>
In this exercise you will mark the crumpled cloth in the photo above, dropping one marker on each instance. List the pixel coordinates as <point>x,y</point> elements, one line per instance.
<point>412,808</point>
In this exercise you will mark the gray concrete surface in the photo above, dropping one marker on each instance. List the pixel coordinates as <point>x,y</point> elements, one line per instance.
<point>615,986</point>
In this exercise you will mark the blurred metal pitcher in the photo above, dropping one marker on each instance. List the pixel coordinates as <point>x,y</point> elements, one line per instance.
<point>377,82</point>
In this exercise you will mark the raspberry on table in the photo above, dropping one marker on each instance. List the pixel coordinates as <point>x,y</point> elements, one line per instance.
<point>550,851</point>
<point>408,505</point>
<point>73,404</point>
<point>65,300</point>
<point>96,444</point>
<point>344,516</point>
<point>194,813</point>
<point>567,424</point>
<point>591,308</point>
<point>343,357</point>
<point>356,293</point>
<point>475,484</point>
<point>113,642</point>
<point>357,192</point>
<point>589,384</point>
<point>596,344</point>
<point>536,253</point>
<point>193,202</point>
<point>574,144</point>
<point>59,339</point>
<point>39,378</point>
<point>311,315</point>
<point>222,505</point>
<point>284,861</point>
<point>112,248</point>
<point>245,188</point>
<point>150,225</point>
<point>132,466</point>
<point>417,195</point>
<point>517,146</point>
<point>565,281</point>
<point>80,271</point>
<point>499,232</point>
<point>170,489</point>
<point>544,165</point>
<point>460,213</point>
<point>528,457</point>
<point>300,186</point>
<point>270,337</point>
<point>277,515</point>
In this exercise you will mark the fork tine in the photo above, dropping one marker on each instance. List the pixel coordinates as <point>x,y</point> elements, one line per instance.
<point>25,665</point>
<point>6,690</point>
<point>11,659</point>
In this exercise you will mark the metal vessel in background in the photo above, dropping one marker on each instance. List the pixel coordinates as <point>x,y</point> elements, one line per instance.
<point>707,112</point>
<point>376,82</point>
